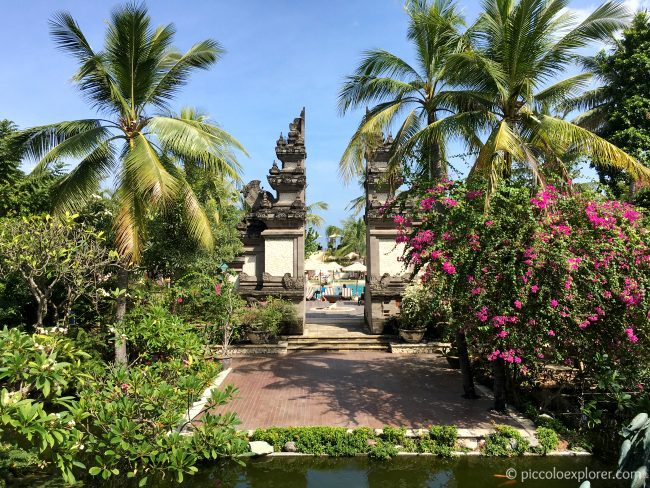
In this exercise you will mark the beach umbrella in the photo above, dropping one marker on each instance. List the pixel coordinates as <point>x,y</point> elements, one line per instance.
<point>356,268</point>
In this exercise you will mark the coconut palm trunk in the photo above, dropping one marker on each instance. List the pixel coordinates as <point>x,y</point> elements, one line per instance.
<point>121,355</point>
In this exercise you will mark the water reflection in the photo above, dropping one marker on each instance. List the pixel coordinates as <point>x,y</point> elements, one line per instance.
<point>403,472</point>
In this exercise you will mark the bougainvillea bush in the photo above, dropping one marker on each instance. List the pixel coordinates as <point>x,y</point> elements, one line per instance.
<point>559,277</point>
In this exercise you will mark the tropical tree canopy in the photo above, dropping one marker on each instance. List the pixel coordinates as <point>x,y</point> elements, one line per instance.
<point>418,95</point>
<point>519,47</point>
<point>137,140</point>
<point>353,238</point>
<point>617,110</point>
<point>313,218</point>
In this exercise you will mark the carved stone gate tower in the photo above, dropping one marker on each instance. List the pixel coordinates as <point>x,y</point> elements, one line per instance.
<point>385,276</point>
<point>273,229</point>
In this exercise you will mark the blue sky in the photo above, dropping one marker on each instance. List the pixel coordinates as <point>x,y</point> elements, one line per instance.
<point>281,55</point>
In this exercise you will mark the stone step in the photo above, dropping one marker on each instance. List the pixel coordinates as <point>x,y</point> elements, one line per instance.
<point>338,342</point>
<point>337,347</point>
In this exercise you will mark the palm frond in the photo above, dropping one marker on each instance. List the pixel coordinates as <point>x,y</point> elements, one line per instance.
<point>199,143</point>
<point>147,172</point>
<point>600,151</point>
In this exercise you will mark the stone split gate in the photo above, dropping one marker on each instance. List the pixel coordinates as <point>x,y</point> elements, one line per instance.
<point>273,234</point>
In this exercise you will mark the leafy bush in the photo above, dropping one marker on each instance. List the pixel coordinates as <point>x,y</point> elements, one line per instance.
<point>333,441</point>
<point>445,435</point>
<point>153,333</point>
<point>80,415</point>
<point>272,316</point>
<point>416,309</point>
<point>548,440</point>
<point>383,451</point>
<point>394,435</point>
<point>506,441</point>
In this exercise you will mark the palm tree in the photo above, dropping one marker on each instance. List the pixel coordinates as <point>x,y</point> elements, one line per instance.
<point>332,233</point>
<point>518,47</point>
<point>353,237</point>
<point>136,139</point>
<point>313,218</point>
<point>420,94</point>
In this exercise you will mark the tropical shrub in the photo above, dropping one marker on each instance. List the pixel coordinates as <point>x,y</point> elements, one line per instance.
<point>65,411</point>
<point>416,310</point>
<point>59,260</point>
<point>211,301</point>
<point>506,441</point>
<point>154,333</point>
<point>535,278</point>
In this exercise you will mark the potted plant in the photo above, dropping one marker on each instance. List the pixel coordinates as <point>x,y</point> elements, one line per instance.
<point>263,322</point>
<point>413,314</point>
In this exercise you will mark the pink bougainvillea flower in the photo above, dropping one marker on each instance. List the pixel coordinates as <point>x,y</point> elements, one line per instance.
<point>554,303</point>
<point>449,268</point>
<point>217,289</point>
<point>551,333</point>
<point>517,304</point>
<point>534,288</point>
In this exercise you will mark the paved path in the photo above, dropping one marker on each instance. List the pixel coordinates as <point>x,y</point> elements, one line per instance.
<point>369,389</point>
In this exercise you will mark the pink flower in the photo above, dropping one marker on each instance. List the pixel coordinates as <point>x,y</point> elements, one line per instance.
<point>399,219</point>
<point>503,334</point>
<point>124,386</point>
<point>482,314</point>
<point>179,299</point>
<point>449,268</point>
<point>551,333</point>
<point>217,289</point>
<point>476,291</point>
<point>534,288</point>
<point>517,304</point>
<point>489,222</point>
<point>450,202</point>
<point>631,336</point>
<point>554,303</point>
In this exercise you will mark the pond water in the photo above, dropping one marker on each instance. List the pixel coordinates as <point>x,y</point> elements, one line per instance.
<point>361,472</point>
<point>406,472</point>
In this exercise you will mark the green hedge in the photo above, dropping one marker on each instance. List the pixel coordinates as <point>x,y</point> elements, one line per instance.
<point>336,441</point>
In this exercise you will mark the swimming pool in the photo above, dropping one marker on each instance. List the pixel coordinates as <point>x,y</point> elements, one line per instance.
<point>357,289</point>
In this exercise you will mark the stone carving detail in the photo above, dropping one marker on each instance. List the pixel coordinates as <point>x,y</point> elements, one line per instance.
<point>291,283</point>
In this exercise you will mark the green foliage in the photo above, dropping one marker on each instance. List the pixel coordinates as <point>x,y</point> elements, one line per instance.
<point>506,441</point>
<point>353,238</point>
<point>339,441</point>
<point>311,241</point>
<point>394,435</point>
<point>619,108</point>
<point>416,310</point>
<point>154,333</point>
<point>445,435</point>
<point>60,260</point>
<point>211,302</point>
<point>548,440</point>
<point>383,451</point>
<point>635,449</point>
<point>79,415</point>
<point>271,316</point>
<point>333,441</point>
<point>153,154</point>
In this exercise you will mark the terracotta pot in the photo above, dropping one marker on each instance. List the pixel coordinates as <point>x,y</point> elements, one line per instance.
<point>258,336</point>
<point>412,336</point>
<point>453,361</point>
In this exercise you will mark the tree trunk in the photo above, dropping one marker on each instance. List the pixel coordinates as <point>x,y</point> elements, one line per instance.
<point>437,167</point>
<point>120,311</point>
<point>499,367</point>
<point>469,391</point>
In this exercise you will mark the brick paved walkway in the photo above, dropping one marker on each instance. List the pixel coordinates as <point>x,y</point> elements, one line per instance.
<point>370,389</point>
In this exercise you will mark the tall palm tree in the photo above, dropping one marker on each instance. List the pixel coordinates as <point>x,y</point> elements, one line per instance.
<point>353,237</point>
<point>332,232</point>
<point>519,46</point>
<point>136,139</point>
<point>313,218</point>
<point>420,94</point>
